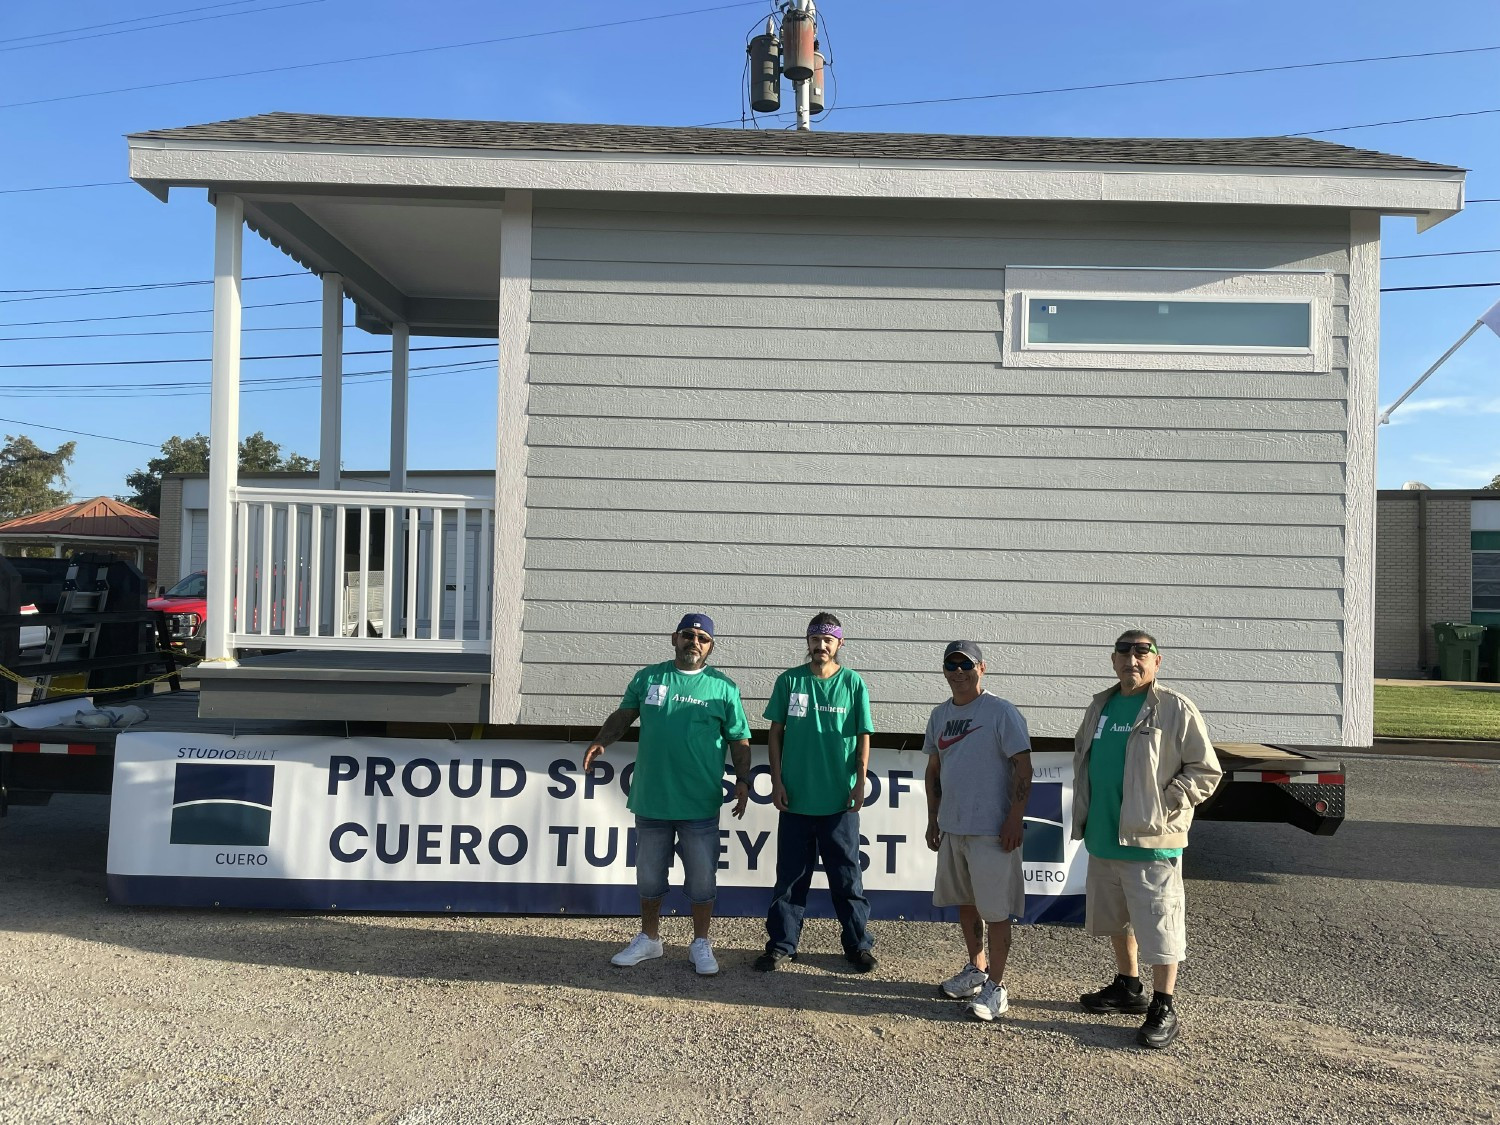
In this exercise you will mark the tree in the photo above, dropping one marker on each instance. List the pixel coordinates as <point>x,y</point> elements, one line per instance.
<point>258,454</point>
<point>29,474</point>
<point>1494,483</point>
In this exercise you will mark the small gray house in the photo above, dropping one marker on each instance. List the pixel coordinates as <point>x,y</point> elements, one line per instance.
<point>1030,390</point>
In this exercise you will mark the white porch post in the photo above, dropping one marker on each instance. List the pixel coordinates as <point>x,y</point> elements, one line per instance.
<point>224,424</point>
<point>510,458</point>
<point>330,453</point>
<point>400,361</point>
<point>395,584</point>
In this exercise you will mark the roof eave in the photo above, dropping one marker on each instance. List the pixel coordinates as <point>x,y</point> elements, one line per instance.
<point>250,167</point>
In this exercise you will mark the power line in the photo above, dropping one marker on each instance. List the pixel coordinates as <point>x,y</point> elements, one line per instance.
<point>1148,82</point>
<point>65,187</point>
<point>1438,254</point>
<point>133,287</point>
<point>156,26</point>
<point>179,388</point>
<point>77,433</point>
<point>243,359</point>
<point>1459,285</point>
<point>160,332</point>
<point>143,316</point>
<point>382,55</point>
<point>134,19</point>
<point>1397,121</point>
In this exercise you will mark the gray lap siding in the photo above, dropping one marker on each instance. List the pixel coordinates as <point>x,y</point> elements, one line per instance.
<point>764,415</point>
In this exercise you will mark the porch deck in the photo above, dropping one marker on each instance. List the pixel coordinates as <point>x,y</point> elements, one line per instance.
<point>364,686</point>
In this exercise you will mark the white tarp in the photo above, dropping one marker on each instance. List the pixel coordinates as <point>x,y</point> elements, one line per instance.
<point>489,826</point>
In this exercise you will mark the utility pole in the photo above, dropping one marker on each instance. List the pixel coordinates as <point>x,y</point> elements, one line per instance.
<point>794,55</point>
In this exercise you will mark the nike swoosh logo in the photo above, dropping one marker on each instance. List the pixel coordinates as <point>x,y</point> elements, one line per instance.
<point>944,743</point>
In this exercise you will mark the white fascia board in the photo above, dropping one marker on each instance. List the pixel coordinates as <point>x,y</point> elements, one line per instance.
<point>245,167</point>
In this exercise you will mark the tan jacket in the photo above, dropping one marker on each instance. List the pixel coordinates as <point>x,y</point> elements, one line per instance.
<point>1170,766</point>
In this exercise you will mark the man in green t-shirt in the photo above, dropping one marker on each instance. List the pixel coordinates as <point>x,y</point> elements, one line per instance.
<point>1142,760</point>
<point>689,713</point>
<point>820,748</point>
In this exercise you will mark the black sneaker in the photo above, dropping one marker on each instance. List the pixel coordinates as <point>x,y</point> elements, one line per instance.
<point>1123,994</point>
<point>1160,1027</point>
<point>771,960</point>
<point>862,960</point>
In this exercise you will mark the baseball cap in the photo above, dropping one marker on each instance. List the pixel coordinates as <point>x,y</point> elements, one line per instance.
<point>966,648</point>
<point>697,621</point>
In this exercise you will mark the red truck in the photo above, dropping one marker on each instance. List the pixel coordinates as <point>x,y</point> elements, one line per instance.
<point>186,607</point>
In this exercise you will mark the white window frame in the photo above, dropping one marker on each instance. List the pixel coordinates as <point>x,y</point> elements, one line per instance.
<point>1024,284</point>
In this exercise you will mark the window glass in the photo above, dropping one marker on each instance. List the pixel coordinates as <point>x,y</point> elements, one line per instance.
<point>1220,324</point>
<point>1487,580</point>
<point>193,586</point>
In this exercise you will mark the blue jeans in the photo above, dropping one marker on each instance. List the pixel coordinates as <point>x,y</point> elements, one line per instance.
<point>697,847</point>
<point>800,840</point>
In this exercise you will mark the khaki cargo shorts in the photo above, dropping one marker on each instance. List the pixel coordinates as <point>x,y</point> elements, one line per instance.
<point>976,871</point>
<point>1141,897</point>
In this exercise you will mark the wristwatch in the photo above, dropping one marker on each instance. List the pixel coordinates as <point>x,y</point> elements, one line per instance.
<point>745,781</point>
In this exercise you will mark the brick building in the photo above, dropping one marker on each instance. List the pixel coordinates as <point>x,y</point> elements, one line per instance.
<point>1437,558</point>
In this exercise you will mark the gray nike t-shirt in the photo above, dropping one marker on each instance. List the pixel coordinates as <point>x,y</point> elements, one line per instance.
<point>974,744</point>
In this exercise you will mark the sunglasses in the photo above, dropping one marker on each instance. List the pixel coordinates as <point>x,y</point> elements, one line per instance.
<point>958,666</point>
<point>1138,648</point>
<point>701,638</point>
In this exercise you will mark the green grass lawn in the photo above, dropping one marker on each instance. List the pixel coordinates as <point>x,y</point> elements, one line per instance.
<point>1436,712</point>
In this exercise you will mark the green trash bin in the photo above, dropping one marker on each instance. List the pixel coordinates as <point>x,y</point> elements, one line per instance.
<point>1458,650</point>
<point>1489,654</point>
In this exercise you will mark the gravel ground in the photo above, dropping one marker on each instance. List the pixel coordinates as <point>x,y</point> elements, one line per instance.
<point>1345,979</point>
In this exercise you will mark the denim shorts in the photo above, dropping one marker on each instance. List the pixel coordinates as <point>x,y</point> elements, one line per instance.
<point>697,845</point>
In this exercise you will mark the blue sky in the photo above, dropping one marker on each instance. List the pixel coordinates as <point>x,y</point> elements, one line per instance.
<point>684,70</point>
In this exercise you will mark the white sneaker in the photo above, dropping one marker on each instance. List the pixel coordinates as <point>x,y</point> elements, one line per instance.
<point>991,1001</point>
<point>641,948</point>
<point>702,954</point>
<point>966,983</point>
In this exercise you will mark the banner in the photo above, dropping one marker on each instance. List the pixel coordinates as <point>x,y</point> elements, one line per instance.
<point>494,827</point>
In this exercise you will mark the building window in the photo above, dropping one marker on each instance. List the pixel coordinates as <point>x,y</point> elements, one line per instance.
<point>1139,318</point>
<point>1193,325</point>
<point>1486,581</point>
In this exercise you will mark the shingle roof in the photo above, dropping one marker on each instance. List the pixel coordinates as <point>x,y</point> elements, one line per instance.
<point>99,518</point>
<point>319,129</point>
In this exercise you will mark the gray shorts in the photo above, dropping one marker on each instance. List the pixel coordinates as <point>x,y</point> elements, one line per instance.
<point>1140,897</point>
<point>976,871</point>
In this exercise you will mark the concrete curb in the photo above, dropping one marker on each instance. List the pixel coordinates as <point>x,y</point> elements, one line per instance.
<point>1436,748</point>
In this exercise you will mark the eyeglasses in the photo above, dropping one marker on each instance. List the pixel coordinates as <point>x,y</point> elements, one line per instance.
<point>958,666</point>
<point>1138,648</point>
<point>701,638</point>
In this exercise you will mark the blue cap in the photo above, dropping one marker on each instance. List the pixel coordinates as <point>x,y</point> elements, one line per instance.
<point>697,621</point>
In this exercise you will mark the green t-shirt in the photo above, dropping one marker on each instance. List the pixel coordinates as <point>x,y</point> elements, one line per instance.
<point>686,721</point>
<point>1101,833</point>
<point>819,748</point>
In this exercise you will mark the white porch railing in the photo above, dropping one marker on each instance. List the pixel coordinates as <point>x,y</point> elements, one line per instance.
<point>379,571</point>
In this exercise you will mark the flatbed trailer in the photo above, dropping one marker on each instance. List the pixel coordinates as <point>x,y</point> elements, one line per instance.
<point>1261,783</point>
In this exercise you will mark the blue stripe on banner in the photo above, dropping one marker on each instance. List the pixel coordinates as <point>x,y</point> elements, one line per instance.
<point>516,898</point>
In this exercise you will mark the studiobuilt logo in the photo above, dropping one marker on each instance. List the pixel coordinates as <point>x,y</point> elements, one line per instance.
<point>1043,840</point>
<point>222,804</point>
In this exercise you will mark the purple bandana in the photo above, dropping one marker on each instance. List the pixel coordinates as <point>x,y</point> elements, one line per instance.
<point>823,629</point>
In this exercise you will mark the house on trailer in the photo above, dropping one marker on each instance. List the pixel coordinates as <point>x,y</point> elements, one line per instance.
<point>1028,390</point>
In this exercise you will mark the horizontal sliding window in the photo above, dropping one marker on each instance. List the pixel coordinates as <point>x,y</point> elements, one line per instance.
<point>1158,323</point>
<point>1150,318</point>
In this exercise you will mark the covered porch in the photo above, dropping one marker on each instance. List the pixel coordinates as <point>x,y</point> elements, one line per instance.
<point>360,602</point>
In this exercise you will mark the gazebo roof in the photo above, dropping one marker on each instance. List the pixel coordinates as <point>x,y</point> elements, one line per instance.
<point>99,518</point>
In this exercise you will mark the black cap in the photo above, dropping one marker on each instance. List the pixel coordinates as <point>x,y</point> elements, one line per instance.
<point>965,648</point>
